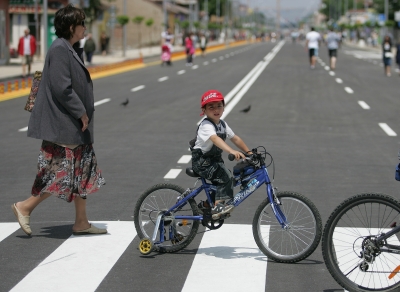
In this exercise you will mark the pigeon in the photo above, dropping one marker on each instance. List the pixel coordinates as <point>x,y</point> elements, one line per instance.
<point>245,110</point>
<point>125,103</point>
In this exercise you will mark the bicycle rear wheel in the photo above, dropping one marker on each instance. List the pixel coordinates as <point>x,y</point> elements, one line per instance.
<point>160,198</point>
<point>294,243</point>
<point>347,229</point>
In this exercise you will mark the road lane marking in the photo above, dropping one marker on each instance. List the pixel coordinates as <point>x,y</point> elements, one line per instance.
<point>181,72</point>
<point>327,68</point>
<point>102,101</point>
<point>6,229</point>
<point>195,67</point>
<point>214,60</point>
<point>93,254</point>
<point>185,159</point>
<point>205,63</point>
<point>331,73</point>
<point>349,90</point>
<point>363,104</point>
<point>23,129</point>
<point>172,174</point>
<point>225,251</point>
<point>338,80</point>
<point>221,58</point>
<point>387,130</point>
<point>138,88</point>
<point>163,79</point>
<point>227,56</point>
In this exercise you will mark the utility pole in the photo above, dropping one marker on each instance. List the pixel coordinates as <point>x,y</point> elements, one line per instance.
<point>206,15</point>
<point>165,13</point>
<point>278,16</point>
<point>386,10</point>
<point>37,26</point>
<point>217,12</point>
<point>45,27</point>
<point>124,33</point>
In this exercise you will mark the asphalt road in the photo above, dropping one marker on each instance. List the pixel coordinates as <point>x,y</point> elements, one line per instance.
<point>321,127</point>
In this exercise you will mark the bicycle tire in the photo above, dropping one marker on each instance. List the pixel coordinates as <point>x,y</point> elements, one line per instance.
<point>348,225</point>
<point>158,198</point>
<point>295,243</point>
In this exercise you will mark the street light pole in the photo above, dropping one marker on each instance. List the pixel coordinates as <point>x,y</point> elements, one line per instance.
<point>278,16</point>
<point>124,33</point>
<point>386,10</point>
<point>45,26</point>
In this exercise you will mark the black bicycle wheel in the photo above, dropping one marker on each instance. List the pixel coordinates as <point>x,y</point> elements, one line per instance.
<point>160,198</point>
<point>351,225</point>
<point>294,243</point>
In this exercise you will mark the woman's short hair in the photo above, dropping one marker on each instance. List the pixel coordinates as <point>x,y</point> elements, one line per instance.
<point>64,18</point>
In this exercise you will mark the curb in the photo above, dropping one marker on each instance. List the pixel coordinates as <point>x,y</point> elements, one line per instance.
<point>102,71</point>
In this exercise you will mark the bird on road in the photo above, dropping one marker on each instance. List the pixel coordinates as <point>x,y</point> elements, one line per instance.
<point>125,103</point>
<point>245,110</point>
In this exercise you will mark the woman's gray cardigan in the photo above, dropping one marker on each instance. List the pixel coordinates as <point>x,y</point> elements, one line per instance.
<point>65,94</point>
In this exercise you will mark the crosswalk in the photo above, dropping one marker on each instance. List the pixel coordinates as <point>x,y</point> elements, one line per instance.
<point>220,250</point>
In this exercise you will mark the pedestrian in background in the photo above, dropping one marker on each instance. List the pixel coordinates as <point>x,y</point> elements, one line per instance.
<point>26,49</point>
<point>313,39</point>
<point>89,48</point>
<point>103,43</point>
<point>332,42</point>
<point>189,49</point>
<point>63,118</point>
<point>203,44</point>
<point>398,56</point>
<point>387,54</point>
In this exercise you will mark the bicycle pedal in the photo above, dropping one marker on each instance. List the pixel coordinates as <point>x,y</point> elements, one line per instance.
<point>224,216</point>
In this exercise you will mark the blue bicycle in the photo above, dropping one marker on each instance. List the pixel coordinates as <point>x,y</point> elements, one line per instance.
<point>286,226</point>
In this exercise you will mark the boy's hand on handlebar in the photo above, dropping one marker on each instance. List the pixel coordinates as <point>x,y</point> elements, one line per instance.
<point>238,155</point>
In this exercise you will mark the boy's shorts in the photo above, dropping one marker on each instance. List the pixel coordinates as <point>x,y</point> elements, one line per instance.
<point>26,59</point>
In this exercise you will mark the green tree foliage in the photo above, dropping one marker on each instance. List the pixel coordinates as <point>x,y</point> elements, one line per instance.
<point>123,19</point>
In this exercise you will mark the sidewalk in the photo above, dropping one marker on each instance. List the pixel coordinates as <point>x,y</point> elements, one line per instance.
<point>363,46</point>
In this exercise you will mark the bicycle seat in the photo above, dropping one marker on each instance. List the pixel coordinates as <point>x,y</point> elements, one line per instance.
<point>191,172</point>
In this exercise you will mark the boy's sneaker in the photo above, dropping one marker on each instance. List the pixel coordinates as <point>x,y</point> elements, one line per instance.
<point>221,209</point>
<point>203,206</point>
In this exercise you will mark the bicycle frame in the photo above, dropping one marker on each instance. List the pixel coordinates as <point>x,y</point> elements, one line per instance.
<point>253,182</point>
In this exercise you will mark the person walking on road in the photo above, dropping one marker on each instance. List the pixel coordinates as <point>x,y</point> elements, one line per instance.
<point>26,49</point>
<point>103,43</point>
<point>203,44</point>
<point>189,49</point>
<point>387,54</point>
<point>89,48</point>
<point>332,42</point>
<point>313,39</point>
<point>63,118</point>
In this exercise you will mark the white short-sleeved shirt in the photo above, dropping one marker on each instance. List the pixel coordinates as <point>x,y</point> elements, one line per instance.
<point>313,37</point>
<point>206,130</point>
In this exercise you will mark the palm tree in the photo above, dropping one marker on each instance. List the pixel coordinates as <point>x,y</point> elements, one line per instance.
<point>138,20</point>
<point>123,20</point>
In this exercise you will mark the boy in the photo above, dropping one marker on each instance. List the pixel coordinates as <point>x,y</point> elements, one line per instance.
<point>207,150</point>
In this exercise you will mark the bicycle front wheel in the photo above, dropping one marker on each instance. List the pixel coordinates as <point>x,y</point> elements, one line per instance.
<point>160,198</point>
<point>351,226</point>
<point>299,239</point>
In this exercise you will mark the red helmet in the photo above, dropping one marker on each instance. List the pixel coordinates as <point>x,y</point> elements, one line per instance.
<point>211,96</point>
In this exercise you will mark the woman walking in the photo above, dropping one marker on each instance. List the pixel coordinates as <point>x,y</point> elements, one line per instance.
<point>387,54</point>
<point>63,118</point>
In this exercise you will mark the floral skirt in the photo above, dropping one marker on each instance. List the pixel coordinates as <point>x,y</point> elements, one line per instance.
<point>67,173</point>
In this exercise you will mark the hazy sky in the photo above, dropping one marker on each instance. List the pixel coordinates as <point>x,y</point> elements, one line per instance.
<point>291,10</point>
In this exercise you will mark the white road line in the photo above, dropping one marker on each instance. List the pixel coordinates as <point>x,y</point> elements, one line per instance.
<point>349,90</point>
<point>163,79</point>
<point>235,255</point>
<point>102,101</point>
<point>387,130</point>
<point>327,68</point>
<point>205,63</point>
<point>338,80</point>
<point>185,159</point>
<point>138,88</point>
<point>227,56</point>
<point>221,58</point>
<point>331,73</point>
<point>181,72</point>
<point>172,174</point>
<point>23,129</point>
<point>214,60</point>
<point>6,229</point>
<point>364,105</point>
<point>253,78</point>
<point>195,67</point>
<point>93,254</point>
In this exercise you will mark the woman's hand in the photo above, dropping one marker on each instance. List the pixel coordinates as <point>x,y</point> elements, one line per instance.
<point>85,122</point>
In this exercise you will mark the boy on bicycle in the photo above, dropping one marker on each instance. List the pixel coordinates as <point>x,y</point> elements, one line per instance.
<point>208,147</point>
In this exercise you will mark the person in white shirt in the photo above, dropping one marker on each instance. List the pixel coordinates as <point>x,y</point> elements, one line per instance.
<point>332,42</point>
<point>313,39</point>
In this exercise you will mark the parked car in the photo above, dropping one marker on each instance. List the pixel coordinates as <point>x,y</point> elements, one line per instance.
<point>13,53</point>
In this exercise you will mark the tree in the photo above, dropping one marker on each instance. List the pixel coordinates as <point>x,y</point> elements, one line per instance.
<point>138,20</point>
<point>149,22</point>
<point>123,20</point>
